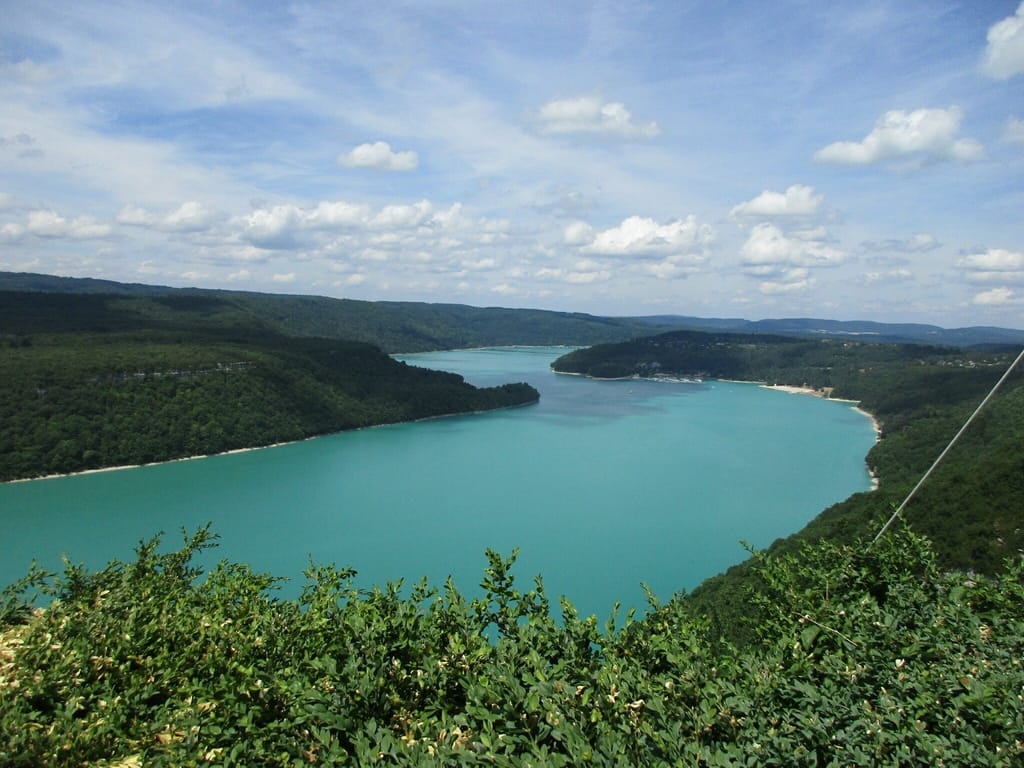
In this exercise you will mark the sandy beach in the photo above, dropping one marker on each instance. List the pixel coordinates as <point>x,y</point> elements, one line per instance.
<point>794,390</point>
<point>875,424</point>
<point>827,395</point>
<point>153,463</point>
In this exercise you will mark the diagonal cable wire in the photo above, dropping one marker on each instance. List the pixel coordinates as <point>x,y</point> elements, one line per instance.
<point>946,450</point>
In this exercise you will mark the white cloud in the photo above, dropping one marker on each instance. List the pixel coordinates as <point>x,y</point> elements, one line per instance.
<point>454,218</point>
<point>578,233</point>
<point>782,254</point>
<point>1013,131</point>
<point>25,71</point>
<point>812,233</point>
<point>919,243</point>
<point>410,245</point>
<point>639,236</point>
<point>379,155</point>
<point>898,275</point>
<point>1004,54</point>
<point>403,216</point>
<point>930,133</point>
<point>288,277</point>
<point>996,265</point>
<point>670,269</point>
<point>11,231</point>
<point>338,215</point>
<point>191,216</point>
<point>133,215</point>
<point>270,227</point>
<point>996,297</point>
<point>289,226</point>
<point>44,223</point>
<point>798,200</point>
<point>791,281</point>
<point>579,276</point>
<point>582,278</point>
<point>768,246</point>
<point>589,114</point>
<point>994,259</point>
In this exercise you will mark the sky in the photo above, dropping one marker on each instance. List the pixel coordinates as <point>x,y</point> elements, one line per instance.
<point>717,159</point>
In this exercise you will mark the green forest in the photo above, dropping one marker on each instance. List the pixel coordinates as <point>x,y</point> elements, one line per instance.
<point>824,649</point>
<point>391,325</point>
<point>95,381</point>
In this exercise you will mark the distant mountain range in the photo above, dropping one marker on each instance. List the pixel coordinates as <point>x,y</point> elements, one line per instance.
<point>863,330</point>
<point>419,326</point>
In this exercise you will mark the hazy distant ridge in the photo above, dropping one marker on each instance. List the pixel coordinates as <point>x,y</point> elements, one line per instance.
<point>864,330</point>
<point>419,326</point>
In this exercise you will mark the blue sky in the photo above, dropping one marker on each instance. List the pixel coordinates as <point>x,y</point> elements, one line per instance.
<point>742,159</point>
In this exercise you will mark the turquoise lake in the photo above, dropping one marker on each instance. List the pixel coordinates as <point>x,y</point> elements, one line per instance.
<point>603,485</point>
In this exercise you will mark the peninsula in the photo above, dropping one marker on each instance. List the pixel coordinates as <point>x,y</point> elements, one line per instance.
<point>98,381</point>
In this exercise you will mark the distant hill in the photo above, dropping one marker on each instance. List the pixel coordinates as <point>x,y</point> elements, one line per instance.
<point>407,326</point>
<point>862,330</point>
<point>95,380</point>
<point>392,326</point>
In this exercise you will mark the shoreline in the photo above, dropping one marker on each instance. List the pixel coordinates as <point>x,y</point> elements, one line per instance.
<point>58,475</point>
<point>663,378</point>
<point>787,388</point>
<point>792,389</point>
<point>855,406</point>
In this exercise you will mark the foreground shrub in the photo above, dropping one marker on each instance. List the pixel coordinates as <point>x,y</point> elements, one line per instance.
<point>867,656</point>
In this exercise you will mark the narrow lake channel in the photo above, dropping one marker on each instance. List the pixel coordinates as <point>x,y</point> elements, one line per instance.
<point>603,485</point>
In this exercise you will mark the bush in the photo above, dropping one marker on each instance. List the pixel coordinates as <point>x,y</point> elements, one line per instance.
<point>867,655</point>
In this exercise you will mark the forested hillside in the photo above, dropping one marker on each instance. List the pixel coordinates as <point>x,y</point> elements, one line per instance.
<point>392,326</point>
<point>94,381</point>
<point>972,508</point>
<point>420,327</point>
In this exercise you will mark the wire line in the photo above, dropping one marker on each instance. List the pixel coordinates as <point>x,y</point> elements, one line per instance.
<point>946,450</point>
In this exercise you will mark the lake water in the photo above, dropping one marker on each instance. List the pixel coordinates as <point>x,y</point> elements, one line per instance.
<point>603,485</point>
